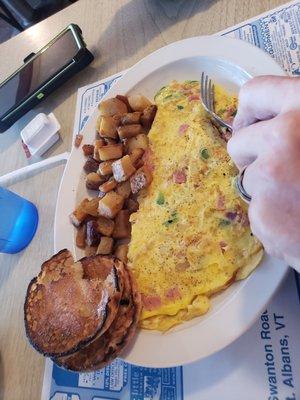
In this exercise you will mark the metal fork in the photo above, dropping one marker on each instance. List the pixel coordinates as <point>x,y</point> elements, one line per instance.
<point>208,100</point>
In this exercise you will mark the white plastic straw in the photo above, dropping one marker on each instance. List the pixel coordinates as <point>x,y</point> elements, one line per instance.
<point>20,173</point>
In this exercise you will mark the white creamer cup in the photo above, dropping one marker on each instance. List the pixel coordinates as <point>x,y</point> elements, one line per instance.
<point>40,134</point>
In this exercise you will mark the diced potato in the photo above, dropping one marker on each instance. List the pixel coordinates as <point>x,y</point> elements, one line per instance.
<point>124,189</point>
<point>93,181</point>
<point>131,118</point>
<point>90,250</point>
<point>105,167</point>
<point>122,241</point>
<point>148,116</point>
<point>138,102</point>
<point>128,131</point>
<point>139,163</point>
<point>92,234</point>
<point>111,152</point>
<point>97,136</point>
<point>117,119</point>
<point>140,141</point>
<point>105,226</point>
<point>81,236</point>
<point>88,149</point>
<point>131,205</point>
<point>125,145</point>
<point>112,106</point>
<point>122,227</point>
<point>121,251</point>
<point>136,155</point>
<point>125,100</point>
<point>108,185</point>
<point>79,215</point>
<point>122,169</point>
<point>98,123</point>
<point>105,245</point>
<point>101,194</point>
<point>110,141</point>
<point>108,127</point>
<point>110,204</point>
<point>98,143</point>
<point>91,207</point>
<point>141,179</point>
<point>91,165</point>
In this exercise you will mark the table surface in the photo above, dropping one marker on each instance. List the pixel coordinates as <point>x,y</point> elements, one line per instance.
<point>119,33</point>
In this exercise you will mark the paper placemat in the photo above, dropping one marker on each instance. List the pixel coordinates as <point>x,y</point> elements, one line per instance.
<point>262,364</point>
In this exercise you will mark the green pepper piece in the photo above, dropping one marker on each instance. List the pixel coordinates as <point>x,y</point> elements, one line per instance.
<point>159,92</point>
<point>160,199</point>
<point>204,154</point>
<point>173,218</point>
<point>223,223</point>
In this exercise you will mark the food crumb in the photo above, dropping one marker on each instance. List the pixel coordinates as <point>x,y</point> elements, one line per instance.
<point>78,140</point>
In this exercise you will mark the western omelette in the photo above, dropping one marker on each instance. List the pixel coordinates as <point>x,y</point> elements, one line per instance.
<point>191,236</point>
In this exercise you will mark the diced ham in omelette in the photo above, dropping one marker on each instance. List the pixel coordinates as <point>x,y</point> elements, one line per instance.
<point>194,97</point>
<point>182,129</point>
<point>148,159</point>
<point>173,293</point>
<point>151,302</point>
<point>220,204</point>
<point>179,176</point>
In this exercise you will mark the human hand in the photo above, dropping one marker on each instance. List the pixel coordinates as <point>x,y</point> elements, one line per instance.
<point>266,139</point>
<point>265,97</point>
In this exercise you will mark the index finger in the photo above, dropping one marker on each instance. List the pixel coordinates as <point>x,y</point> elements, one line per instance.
<point>264,97</point>
<point>246,144</point>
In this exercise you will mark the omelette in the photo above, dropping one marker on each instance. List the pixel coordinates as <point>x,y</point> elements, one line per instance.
<point>191,235</point>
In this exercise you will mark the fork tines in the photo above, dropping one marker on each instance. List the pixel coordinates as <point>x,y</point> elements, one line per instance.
<point>207,92</point>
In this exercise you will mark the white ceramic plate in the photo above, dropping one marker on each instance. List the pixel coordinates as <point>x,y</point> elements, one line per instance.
<point>229,62</point>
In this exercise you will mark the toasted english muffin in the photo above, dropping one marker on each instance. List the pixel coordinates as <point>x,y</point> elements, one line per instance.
<point>113,342</point>
<point>95,267</point>
<point>69,304</point>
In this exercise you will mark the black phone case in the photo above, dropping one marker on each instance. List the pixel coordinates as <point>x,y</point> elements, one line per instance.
<point>83,58</point>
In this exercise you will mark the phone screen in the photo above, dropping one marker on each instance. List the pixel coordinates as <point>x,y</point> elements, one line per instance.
<point>38,71</point>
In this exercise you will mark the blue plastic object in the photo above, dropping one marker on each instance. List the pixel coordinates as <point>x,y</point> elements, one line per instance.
<point>18,222</point>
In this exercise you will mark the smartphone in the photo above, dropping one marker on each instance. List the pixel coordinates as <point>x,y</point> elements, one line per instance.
<point>41,74</point>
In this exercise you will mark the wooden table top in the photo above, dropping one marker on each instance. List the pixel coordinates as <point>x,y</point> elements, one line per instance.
<point>119,33</point>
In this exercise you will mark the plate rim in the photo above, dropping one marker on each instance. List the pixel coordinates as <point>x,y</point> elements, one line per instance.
<point>158,59</point>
